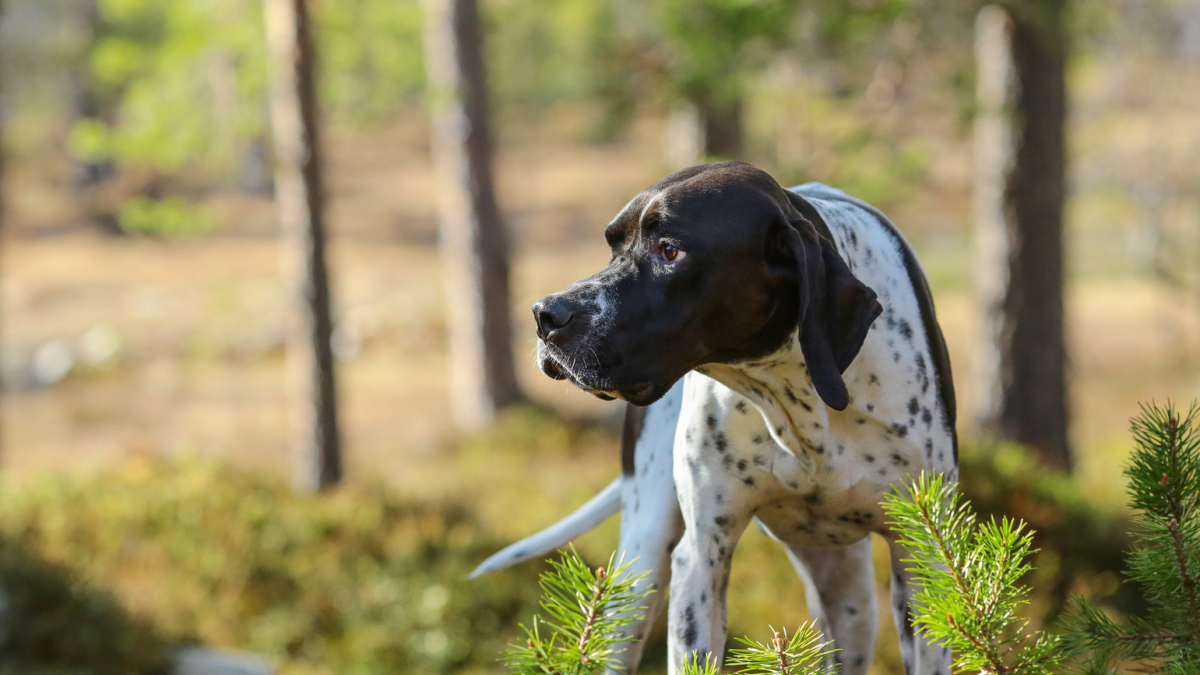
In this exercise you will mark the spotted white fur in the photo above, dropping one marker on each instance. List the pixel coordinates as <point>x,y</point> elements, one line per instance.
<point>706,465</point>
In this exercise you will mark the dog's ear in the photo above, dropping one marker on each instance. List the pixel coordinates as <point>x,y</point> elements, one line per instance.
<point>836,310</point>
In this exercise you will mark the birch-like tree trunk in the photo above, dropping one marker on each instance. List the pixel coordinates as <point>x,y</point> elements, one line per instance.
<point>312,413</point>
<point>1020,146</point>
<point>474,243</point>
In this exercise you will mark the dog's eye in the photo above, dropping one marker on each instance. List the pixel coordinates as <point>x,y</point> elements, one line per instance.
<point>671,253</point>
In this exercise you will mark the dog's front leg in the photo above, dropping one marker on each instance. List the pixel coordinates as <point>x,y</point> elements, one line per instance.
<point>921,657</point>
<point>716,507</point>
<point>651,523</point>
<point>699,581</point>
<point>840,590</point>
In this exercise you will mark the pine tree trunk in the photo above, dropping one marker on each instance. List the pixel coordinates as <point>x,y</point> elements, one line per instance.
<point>473,240</point>
<point>1020,191</point>
<point>722,127</point>
<point>84,103</point>
<point>315,450</point>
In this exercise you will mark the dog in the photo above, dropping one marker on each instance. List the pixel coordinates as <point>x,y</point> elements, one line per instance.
<point>784,364</point>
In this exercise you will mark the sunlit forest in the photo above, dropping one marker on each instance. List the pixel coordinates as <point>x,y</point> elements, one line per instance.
<point>147,461</point>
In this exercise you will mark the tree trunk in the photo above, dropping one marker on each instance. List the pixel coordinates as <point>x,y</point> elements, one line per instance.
<point>473,240</point>
<point>84,102</point>
<point>3,202</point>
<point>314,441</point>
<point>1020,190</point>
<point>722,127</point>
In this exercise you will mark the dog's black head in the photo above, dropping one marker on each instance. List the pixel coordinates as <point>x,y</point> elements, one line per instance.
<point>712,264</point>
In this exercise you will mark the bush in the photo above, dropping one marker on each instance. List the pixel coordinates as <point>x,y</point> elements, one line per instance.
<point>359,581</point>
<point>1080,549</point>
<point>51,622</point>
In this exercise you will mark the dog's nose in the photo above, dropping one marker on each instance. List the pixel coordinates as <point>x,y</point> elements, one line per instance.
<point>552,313</point>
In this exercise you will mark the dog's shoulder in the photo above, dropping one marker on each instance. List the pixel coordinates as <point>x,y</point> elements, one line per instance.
<point>880,256</point>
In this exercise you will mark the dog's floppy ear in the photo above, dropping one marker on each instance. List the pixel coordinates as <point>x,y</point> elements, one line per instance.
<point>836,310</point>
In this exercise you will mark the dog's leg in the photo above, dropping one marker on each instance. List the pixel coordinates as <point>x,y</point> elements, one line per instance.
<point>697,616</point>
<point>840,591</point>
<point>920,656</point>
<point>651,525</point>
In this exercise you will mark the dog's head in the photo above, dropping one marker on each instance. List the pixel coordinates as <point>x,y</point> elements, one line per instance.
<point>712,264</point>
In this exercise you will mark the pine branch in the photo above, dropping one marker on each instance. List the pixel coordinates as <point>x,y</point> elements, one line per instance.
<point>587,611</point>
<point>968,580</point>
<point>1164,486</point>
<point>805,653</point>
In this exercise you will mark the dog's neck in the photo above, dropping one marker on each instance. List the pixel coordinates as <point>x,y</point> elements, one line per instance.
<point>779,386</point>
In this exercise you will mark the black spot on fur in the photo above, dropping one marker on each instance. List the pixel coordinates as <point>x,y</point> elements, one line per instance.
<point>869,458</point>
<point>906,330</point>
<point>722,442</point>
<point>927,417</point>
<point>900,430</point>
<point>748,481</point>
<point>741,465</point>
<point>791,395</point>
<point>913,406</point>
<point>870,407</point>
<point>740,406</point>
<point>711,421</point>
<point>690,630</point>
<point>758,439</point>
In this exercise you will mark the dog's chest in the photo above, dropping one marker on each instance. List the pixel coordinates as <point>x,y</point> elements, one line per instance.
<point>827,494</point>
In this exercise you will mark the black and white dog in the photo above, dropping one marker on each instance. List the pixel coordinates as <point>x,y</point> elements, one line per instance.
<point>785,345</point>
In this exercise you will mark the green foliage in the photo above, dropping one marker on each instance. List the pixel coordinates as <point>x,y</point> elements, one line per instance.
<point>170,217</point>
<point>355,582</point>
<point>587,610</point>
<point>52,622</point>
<point>1164,489</point>
<point>1080,549</point>
<point>805,653</point>
<point>969,576</point>
<point>184,81</point>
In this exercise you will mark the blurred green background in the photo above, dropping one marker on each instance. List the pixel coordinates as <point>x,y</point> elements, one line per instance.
<point>142,425</point>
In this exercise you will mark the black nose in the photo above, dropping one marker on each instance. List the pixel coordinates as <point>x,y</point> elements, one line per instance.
<point>552,313</point>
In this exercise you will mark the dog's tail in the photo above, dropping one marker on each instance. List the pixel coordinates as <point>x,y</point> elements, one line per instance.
<point>593,512</point>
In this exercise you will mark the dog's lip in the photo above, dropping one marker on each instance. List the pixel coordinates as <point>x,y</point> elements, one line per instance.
<point>552,370</point>
<point>638,394</point>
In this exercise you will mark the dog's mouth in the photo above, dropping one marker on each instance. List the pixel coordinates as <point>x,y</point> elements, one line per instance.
<point>642,393</point>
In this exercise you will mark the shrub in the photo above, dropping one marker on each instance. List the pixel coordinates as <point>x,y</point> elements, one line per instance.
<point>359,581</point>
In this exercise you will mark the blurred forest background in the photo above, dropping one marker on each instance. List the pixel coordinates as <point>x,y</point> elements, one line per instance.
<point>144,435</point>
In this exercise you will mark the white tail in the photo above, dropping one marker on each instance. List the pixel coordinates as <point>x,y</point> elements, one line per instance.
<point>593,512</point>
